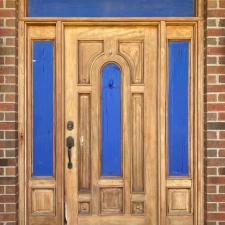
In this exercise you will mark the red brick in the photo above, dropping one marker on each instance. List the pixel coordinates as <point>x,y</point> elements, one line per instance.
<point>10,4</point>
<point>7,70</point>
<point>216,13</point>
<point>7,50</point>
<point>10,41</point>
<point>212,4</point>
<point>10,97</point>
<point>211,171</point>
<point>1,3</point>
<point>216,197</point>
<point>212,116</point>
<point>211,60</point>
<point>211,135</point>
<point>216,180</point>
<point>216,88</point>
<point>7,13</point>
<point>7,198</point>
<point>8,107</point>
<point>216,107</point>
<point>10,207</point>
<point>222,189</point>
<point>11,79</point>
<point>216,216</point>
<point>8,217</point>
<point>211,98</point>
<point>11,189</point>
<point>222,41</point>
<point>222,60</point>
<point>216,50</point>
<point>221,116</point>
<point>212,207</point>
<point>216,162</point>
<point>211,23</point>
<point>216,32</point>
<point>222,4</point>
<point>211,79</point>
<point>10,60</point>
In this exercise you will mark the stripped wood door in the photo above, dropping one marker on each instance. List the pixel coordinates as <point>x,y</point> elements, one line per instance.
<point>111,96</point>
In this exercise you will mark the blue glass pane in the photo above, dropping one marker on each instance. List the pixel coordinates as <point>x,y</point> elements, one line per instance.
<point>110,8</point>
<point>178,108</point>
<point>111,121</point>
<point>43,108</point>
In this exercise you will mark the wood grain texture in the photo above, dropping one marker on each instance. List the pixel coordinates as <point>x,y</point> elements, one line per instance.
<point>72,199</point>
<point>43,33</point>
<point>84,145</point>
<point>179,202</point>
<point>111,201</point>
<point>184,187</point>
<point>43,201</point>
<point>134,53</point>
<point>138,143</point>
<point>87,52</point>
<point>112,195</point>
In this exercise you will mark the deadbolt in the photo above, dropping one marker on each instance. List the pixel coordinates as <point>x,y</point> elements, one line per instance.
<point>70,125</point>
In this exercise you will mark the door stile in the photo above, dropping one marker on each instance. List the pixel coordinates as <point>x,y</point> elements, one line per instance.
<point>71,100</point>
<point>151,123</point>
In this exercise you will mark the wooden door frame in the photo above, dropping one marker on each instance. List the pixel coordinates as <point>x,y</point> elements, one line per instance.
<point>162,22</point>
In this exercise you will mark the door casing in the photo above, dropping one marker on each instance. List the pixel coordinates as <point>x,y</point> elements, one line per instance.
<point>162,23</point>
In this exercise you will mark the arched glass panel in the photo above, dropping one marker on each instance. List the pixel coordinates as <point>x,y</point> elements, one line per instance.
<point>110,8</point>
<point>111,163</point>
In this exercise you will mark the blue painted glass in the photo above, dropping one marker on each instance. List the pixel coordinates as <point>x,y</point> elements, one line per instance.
<point>43,66</point>
<point>110,8</point>
<point>178,108</point>
<point>111,121</point>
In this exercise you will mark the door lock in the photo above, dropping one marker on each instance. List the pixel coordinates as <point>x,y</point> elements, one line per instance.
<point>70,125</point>
<point>70,145</point>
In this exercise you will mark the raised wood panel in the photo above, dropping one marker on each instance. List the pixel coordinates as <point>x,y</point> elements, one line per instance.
<point>43,201</point>
<point>179,201</point>
<point>111,201</point>
<point>138,208</point>
<point>87,51</point>
<point>134,53</point>
<point>84,208</point>
<point>84,142</point>
<point>137,143</point>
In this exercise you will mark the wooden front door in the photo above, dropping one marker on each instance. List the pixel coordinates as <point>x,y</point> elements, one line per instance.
<point>111,99</point>
<point>112,123</point>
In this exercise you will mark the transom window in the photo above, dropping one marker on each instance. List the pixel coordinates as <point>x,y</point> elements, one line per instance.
<point>111,8</point>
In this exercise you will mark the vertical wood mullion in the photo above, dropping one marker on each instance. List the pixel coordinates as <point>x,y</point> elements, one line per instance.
<point>162,123</point>
<point>200,123</point>
<point>58,121</point>
<point>22,126</point>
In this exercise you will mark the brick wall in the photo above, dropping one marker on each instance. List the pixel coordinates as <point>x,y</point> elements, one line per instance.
<point>8,112</point>
<point>215,111</point>
<point>215,214</point>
